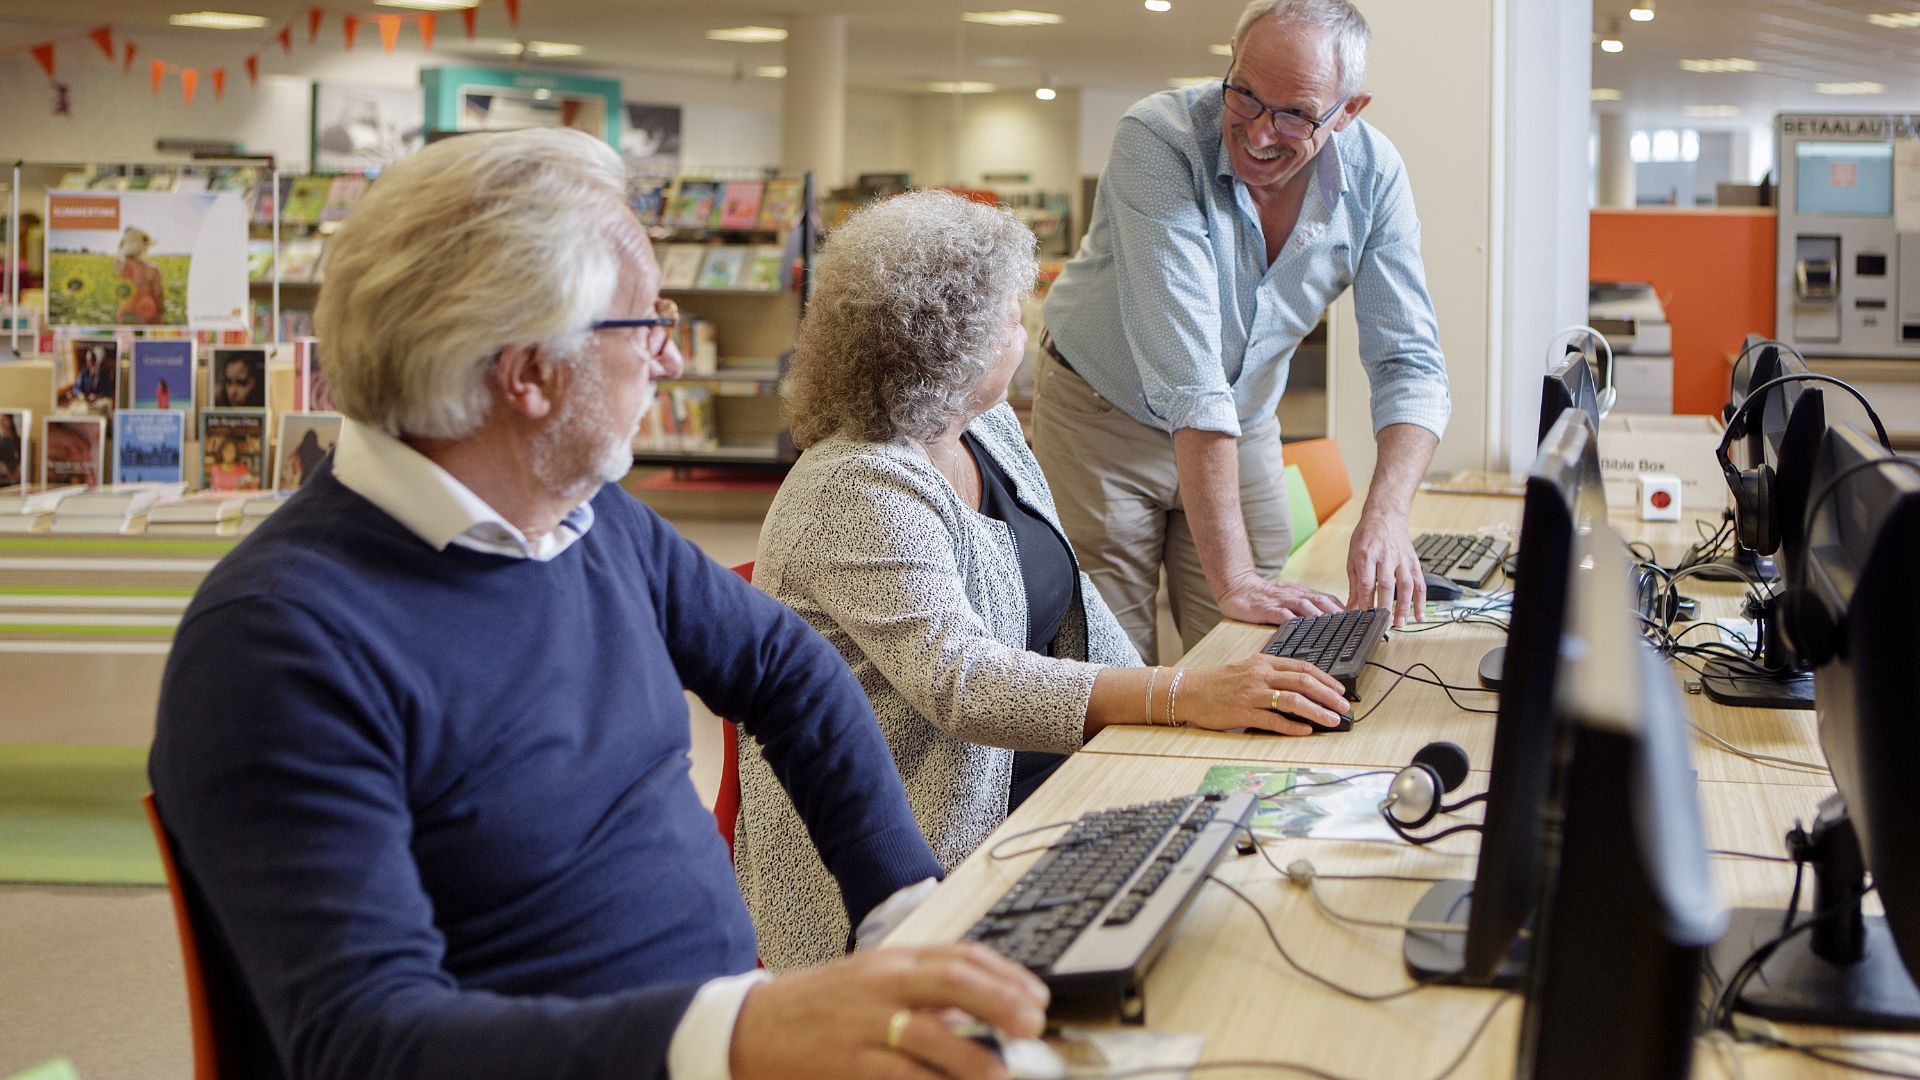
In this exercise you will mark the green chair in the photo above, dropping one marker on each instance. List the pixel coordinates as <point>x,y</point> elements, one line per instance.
<point>57,1069</point>
<point>1300,506</point>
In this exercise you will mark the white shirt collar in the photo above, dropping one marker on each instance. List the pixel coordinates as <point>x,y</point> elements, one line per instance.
<point>433,505</point>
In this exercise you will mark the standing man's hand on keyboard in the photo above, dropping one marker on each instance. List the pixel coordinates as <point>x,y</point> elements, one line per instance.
<point>1382,568</point>
<point>1268,692</point>
<point>1254,599</point>
<point>885,1014</point>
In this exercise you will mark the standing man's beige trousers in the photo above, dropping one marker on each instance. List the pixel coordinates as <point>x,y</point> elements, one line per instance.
<point>1117,490</point>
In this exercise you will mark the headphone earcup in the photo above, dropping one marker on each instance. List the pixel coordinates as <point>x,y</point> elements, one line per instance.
<point>1758,530</point>
<point>1448,761</point>
<point>1413,798</point>
<point>1811,626</point>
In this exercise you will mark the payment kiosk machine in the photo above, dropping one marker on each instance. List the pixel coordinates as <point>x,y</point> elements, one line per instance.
<point>1849,211</point>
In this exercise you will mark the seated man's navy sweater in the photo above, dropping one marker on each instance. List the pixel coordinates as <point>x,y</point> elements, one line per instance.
<point>434,806</point>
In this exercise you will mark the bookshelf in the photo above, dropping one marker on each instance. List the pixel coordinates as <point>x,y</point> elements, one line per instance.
<point>733,255</point>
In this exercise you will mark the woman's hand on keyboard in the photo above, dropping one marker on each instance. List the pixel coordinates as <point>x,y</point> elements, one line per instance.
<point>1275,694</point>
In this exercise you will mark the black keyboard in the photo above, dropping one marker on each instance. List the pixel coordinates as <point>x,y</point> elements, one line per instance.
<point>1467,559</point>
<point>1339,644</point>
<point>1092,915</point>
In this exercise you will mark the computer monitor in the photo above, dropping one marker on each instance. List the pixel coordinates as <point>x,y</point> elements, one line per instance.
<point>1568,385</point>
<point>1627,904</point>
<point>1853,615</point>
<point>1565,498</point>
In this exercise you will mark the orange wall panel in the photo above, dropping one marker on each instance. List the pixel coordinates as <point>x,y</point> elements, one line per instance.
<point>1713,271</point>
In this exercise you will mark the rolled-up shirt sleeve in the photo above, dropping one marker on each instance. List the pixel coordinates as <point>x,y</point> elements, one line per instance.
<point>1168,283</point>
<point>1399,334</point>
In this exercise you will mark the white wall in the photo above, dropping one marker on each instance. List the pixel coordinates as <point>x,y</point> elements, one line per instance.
<point>998,133</point>
<point>881,134</point>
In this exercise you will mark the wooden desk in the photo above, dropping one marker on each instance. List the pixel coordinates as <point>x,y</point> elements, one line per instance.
<point>1416,714</point>
<point>1221,977</point>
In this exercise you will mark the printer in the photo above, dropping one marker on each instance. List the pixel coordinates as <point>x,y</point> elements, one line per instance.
<point>1630,315</point>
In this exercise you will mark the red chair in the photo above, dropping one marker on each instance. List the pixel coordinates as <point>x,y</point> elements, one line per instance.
<point>726,805</point>
<point>204,1000</point>
<point>1325,472</point>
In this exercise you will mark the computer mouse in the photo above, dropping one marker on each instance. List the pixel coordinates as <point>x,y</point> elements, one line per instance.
<point>1025,1059</point>
<point>1345,724</point>
<point>1439,588</point>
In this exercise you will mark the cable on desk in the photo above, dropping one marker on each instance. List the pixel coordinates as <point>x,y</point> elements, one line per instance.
<point>1274,936</point>
<point>1436,681</point>
<point>1291,788</point>
<point>1774,760</point>
<point>1748,855</point>
<point>1301,872</point>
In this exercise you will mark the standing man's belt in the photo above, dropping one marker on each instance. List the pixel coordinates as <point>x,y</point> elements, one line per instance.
<point>1047,346</point>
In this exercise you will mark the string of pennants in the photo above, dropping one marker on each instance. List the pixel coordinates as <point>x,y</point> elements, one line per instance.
<point>122,50</point>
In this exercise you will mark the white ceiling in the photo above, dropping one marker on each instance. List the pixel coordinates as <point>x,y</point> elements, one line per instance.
<point>1118,45</point>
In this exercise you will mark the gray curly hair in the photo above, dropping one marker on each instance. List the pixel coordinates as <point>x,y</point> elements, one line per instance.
<point>908,312</point>
<point>1345,28</point>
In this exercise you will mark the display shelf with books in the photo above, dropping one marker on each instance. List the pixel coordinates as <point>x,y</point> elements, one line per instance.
<point>733,255</point>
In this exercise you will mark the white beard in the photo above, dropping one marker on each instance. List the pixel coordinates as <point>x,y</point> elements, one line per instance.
<point>582,446</point>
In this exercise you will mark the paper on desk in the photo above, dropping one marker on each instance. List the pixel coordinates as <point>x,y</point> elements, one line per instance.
<point>1090,1052</point>
<point>1740,632</point>
<point>1341,804</point>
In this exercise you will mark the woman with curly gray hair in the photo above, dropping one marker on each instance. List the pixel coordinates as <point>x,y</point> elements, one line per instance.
<point>917,533</point>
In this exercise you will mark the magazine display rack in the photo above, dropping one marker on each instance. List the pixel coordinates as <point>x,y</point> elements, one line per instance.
<point>733,255</point>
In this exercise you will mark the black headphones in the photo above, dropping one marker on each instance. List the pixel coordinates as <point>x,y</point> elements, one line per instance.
<point>1413,798</point>
<point>1753,488</point>
<point>1810,622</point>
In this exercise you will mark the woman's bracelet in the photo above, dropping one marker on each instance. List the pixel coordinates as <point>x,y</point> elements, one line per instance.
<point>1173,691</point>
<point>1153,673</point>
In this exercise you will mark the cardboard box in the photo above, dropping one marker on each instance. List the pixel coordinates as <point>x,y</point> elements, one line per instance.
<point>1632,444</point>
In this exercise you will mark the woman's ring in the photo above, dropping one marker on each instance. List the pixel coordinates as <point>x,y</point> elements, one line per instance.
<point>897,1026</point>
<point>1276,701</point>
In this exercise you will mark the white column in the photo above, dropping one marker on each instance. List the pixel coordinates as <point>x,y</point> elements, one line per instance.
<point>1616,161</point>
<point>814,100</point>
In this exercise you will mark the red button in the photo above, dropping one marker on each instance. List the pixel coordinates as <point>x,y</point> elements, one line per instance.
<point>1660,500</point>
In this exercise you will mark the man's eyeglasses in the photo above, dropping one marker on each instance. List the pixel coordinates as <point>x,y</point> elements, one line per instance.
<point>666,314</point>
<point>1286,122</point>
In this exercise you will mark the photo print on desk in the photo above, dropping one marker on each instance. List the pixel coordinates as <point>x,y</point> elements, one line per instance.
<point>72,450</point>
<point>149,446</point>
<point>239,378</point>
<point>233,449</point>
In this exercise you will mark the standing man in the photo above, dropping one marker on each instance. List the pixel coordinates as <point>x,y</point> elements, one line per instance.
<point>422,744</point>
<point>1229,217</point>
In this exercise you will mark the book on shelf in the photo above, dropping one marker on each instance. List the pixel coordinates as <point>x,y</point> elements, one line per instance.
<point>116,500</point>
<point>263,198</point>
<point>259,259</point>
<point>163,374</point>
<point>648,198</point>
<point>724,266</point>
<point>740,204</point>
<point>693,204</point>
<point>149,446</point>
<point>766,271</point>
<point>233,449</point>
<point>35,498</point>
<point>780,203</point>
<point>306,201</point>
<point>73,450</point>
<point>27,524</point>
<point>199,508</point>
<point>303,441</point>
<point>300,258</point>
<point>699,345</point>
<point>342,193</point>
<point>310,393</point>
<point>185,184</point>
<point>680,265</point>
<point>16,446</point>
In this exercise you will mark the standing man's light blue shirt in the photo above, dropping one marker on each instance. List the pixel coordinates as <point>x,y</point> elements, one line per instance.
<point>1171,312</point>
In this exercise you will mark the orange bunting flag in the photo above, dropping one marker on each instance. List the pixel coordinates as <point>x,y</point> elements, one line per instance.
<point>156,75</point>
<point>44,55</point>
<point>314,15</point>
<point>427,22</point>
<point>189,82</point>
<point>103,37</point>
<point>513,11</point>
<point>219,83</point>
<point>350,24</point>
<point>285,38</point>
<point>253,70</point>
<point>389,31</point>
<point>127,64</point>
<point>466,19</point>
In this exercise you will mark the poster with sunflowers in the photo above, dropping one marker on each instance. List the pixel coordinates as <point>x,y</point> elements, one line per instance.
<point>146,258</point>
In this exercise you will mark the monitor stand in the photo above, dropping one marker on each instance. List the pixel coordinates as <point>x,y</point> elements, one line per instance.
<point>1776,679</point>
<point>1442,958</point>
<point>1845,971</point>
<point>1492,666</point>
<point>1743,564</point>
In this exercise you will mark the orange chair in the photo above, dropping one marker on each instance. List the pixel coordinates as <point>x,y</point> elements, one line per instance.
<point>209,997</point>
<point>726,805</point>
<point>1325,472</point>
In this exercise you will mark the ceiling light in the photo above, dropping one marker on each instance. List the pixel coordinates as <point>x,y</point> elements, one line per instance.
<point>1045,93</point>
<point>218,20</point>
<point>1225,48</point>
<point>1004,62</point>
<point>1181,82</point>
<point>542,94</point>
<point>962,87</point>
<point>509,48</point>
<point>1159,5</point>
<point>1642,11</point>
<point>1720,66</point>
<point>1713,110</point>
<point>751,35</point>
<point>1898,20</point>
<point>1611,43</point>
<point>1854,88</point>
<point>1604,93</point>
<point>771,71</point>
<point>1012,17</point>
<point>554,48</point>
<point>429,5</point>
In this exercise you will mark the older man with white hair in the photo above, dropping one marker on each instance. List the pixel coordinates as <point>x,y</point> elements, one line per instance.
<point>422,745</point>
<point>1229,217</point>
